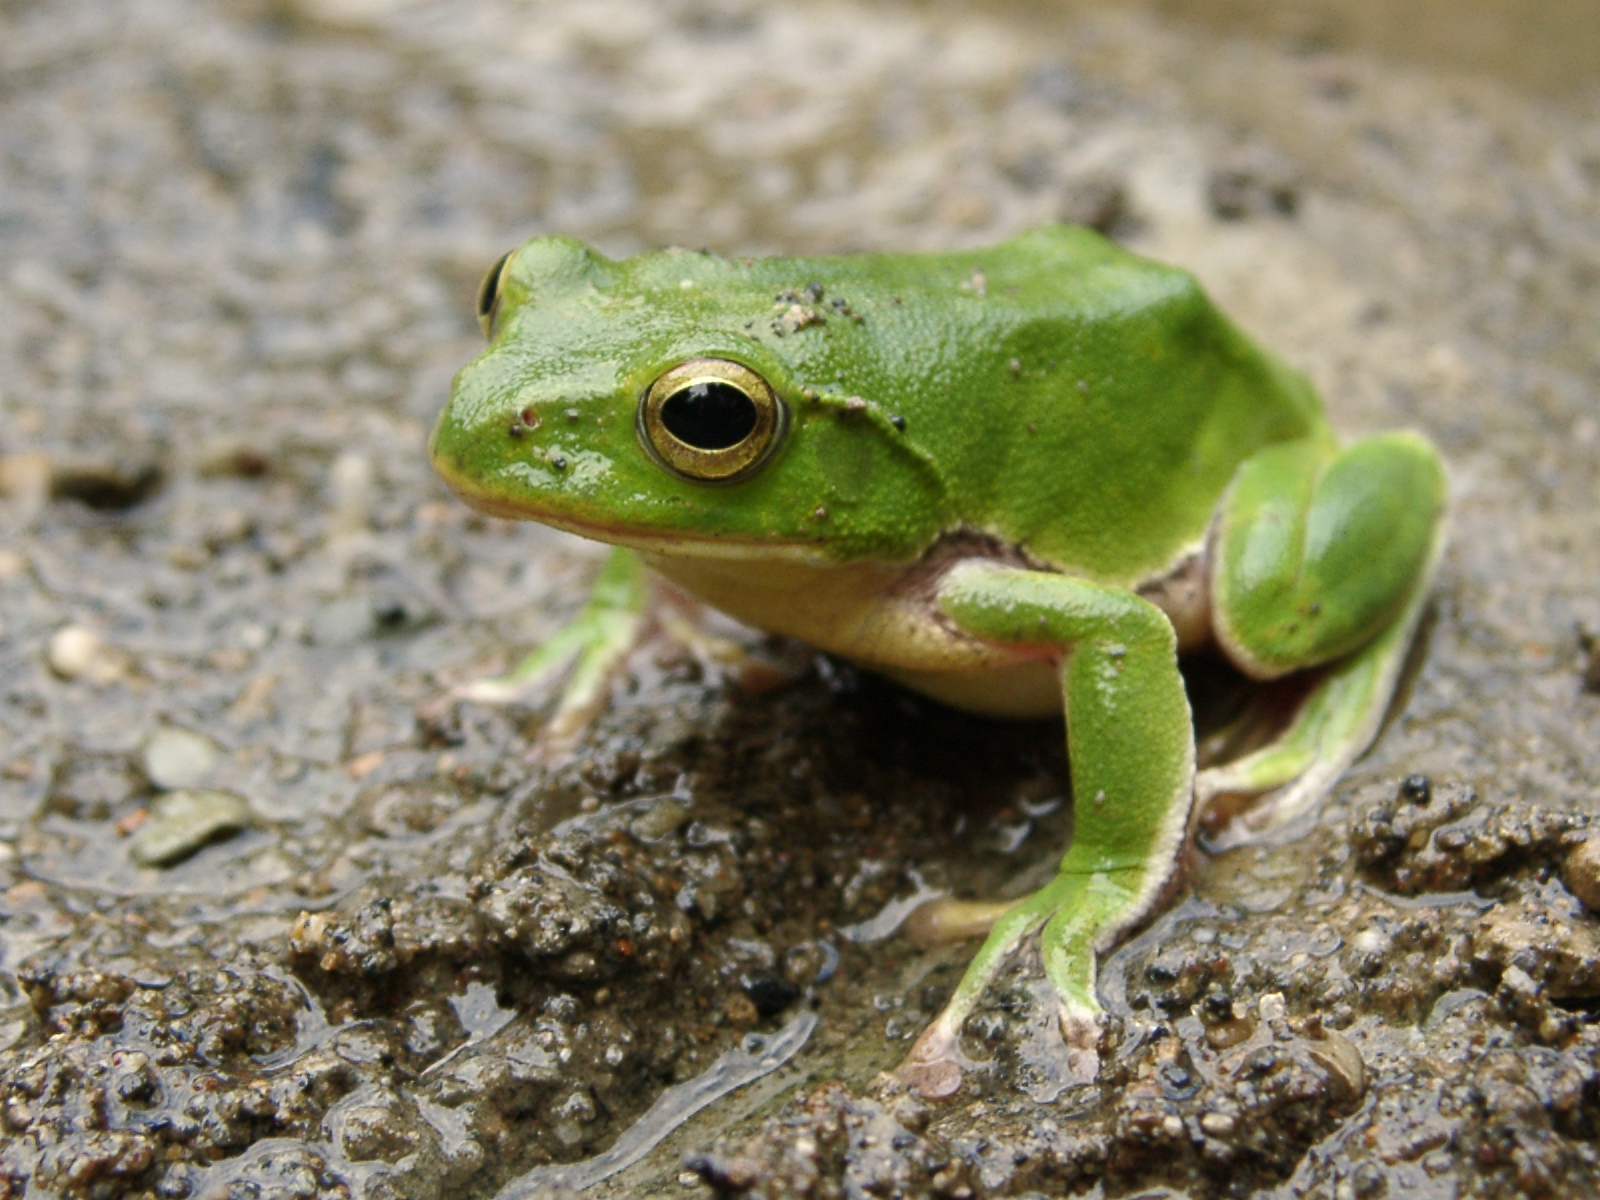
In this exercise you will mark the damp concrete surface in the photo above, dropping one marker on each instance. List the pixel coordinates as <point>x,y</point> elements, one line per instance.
<point>274,923</point>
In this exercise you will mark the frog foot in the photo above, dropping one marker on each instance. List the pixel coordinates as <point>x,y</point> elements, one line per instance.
<point>593,645</point>
<point>935,1066</point>
<point>752,674</point>
<point>1071,914</point>
<point>1081,1032</point>
<point>622,610</point>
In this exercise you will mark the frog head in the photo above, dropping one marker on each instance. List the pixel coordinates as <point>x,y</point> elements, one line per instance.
<point>684,403</point>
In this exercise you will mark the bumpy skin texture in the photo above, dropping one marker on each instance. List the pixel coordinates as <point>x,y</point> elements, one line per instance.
<point>986,458</point>
<point>1055,390</point>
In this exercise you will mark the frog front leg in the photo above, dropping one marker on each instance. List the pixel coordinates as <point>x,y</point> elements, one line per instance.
<point>593,645</point>
<point>1321,558</point>
<point>1130,747</point>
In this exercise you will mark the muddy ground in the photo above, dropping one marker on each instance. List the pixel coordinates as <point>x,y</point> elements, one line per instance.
<point>266,931</point>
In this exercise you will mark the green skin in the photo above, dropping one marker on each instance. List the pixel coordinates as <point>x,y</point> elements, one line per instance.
<point>1019,479</point>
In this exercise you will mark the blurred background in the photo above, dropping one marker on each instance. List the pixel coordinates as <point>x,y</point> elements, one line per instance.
<point>263,926</point>
<point>1548,48</point>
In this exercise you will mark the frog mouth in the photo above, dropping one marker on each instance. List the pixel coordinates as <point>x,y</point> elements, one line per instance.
<point>670,543</point>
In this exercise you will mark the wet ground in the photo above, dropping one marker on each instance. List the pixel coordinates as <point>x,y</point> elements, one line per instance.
<point>267,931</point>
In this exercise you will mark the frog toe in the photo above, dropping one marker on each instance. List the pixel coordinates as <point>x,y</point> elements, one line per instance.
<point>1081,1031</point>
<point>589,649</point>
<point>935,1067</point>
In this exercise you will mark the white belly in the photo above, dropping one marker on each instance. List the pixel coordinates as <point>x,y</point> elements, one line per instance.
<point>883,617</point>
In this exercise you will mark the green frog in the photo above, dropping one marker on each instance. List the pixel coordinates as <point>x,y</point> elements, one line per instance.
<point>1021,480</point>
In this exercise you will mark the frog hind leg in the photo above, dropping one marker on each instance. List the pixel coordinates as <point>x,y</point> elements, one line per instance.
<point>1130,748</point>
<point>593,644</point>
<point>1322,559</point>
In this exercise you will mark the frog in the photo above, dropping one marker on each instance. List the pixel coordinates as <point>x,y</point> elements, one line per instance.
<point>1022,480</point>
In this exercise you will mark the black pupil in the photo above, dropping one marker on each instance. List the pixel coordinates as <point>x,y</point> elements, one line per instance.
<point>489,290</point>
<point>709,416</point>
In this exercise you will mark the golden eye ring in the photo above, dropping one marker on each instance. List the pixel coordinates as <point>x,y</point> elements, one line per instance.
<point>489,295</point>
<point>711,420</point>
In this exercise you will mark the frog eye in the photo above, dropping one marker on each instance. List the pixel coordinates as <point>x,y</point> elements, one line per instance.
<point>489,295</point>
<point>711,420</point>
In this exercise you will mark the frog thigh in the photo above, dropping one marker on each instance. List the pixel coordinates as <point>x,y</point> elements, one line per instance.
<point>1130,748</point>
<point>1322,558</point>
<point>1318,550</point>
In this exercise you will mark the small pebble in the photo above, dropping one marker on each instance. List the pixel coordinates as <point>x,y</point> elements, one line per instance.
<point>660,820</point>
<point>227,527</point>
<point>26,477</point>
<point>1371,941</point>
<point>1581,872</point>
<point>741,1011</point>
<point>182,822</point>
<point>79,653</point>
<point>769,992</point>
<point>342,622</point>
<point>188,558</point>
<point>1516,982</point>
<point>350,488</point>
<point>179,758</point>
<point>231,456</point>
<point>1338,1055</point>
<point>1589,649</point>
<point>351,619</point>
<point>357,16</point>
<point>109,484</point>
<point>1416,789</point>
<point>1252,182</point>
<point>1098,201</point>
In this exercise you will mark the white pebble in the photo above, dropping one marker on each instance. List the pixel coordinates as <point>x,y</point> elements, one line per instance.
<point>1217,1124</point>
<point>1370,941</point>
<point>350,483</point>
<point>79,653</point>
<point>179,758</point>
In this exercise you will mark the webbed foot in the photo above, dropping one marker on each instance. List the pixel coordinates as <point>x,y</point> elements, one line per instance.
<point>622,611</point>
<point>592,645</point>
<point>1068,913</point>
